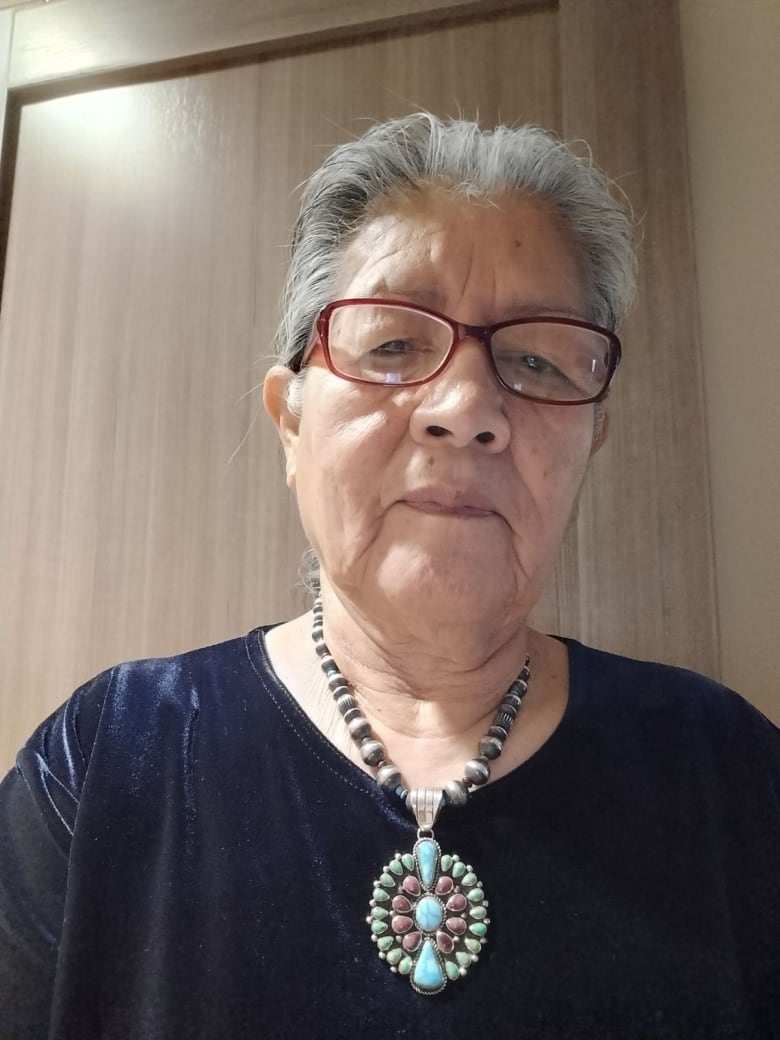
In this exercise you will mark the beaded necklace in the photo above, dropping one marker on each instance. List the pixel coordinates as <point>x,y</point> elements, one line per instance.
<point>428,912</point>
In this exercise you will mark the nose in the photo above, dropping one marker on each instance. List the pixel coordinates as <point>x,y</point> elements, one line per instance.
<point>464,405</point>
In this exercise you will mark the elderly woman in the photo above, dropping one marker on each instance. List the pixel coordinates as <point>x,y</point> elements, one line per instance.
<point>407,813</point>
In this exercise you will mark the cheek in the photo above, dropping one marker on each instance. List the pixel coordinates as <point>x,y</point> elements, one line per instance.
<point>552,456</point>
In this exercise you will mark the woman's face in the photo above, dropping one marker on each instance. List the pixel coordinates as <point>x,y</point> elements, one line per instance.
<point>450,497</point>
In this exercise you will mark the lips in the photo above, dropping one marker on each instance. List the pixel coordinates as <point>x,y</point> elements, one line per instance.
<point>450,502</point>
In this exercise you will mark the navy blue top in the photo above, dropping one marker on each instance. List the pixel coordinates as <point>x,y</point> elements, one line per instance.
<point>183,854</point>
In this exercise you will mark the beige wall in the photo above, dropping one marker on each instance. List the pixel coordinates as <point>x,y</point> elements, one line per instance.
<point>731,56</point>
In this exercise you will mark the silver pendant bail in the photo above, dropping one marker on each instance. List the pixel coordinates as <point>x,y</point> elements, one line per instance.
<point>425,803</point>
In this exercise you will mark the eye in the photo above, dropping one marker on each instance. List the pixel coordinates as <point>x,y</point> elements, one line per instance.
<point>523,366</point>
<point>537,364</point>
<point>395,347</point>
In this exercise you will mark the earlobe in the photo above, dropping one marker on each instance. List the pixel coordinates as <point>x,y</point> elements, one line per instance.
<point>600,427</point>
<point>275,389</point>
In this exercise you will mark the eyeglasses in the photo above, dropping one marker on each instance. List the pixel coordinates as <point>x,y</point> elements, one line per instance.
<point>547,359</point>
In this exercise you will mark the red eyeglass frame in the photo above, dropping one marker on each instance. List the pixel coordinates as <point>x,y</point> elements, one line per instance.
<point>460,332</point>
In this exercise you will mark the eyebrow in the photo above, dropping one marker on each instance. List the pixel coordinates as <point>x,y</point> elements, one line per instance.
<point>434,299</point>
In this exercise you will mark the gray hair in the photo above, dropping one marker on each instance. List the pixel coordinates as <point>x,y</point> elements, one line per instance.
<point>419,151</point>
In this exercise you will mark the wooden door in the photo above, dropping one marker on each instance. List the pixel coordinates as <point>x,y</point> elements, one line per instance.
<point>150,162</point>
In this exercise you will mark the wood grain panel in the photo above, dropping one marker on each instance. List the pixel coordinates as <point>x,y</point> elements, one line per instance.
<point>145,260</point>
<point>84,37</point>
<point>638,572</point>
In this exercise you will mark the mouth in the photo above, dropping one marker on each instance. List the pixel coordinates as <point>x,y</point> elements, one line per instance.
<point>448,502</point>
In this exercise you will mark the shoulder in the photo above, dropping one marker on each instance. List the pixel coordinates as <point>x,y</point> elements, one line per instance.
<point>653,686</point>
<point>133,705</point>
<point>692,718</point>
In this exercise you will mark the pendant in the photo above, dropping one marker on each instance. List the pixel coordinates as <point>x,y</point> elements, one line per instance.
<point>428,915</point>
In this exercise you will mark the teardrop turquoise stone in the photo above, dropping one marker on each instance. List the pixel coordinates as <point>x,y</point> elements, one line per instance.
<point>427,972</point>
<point>426,858</point>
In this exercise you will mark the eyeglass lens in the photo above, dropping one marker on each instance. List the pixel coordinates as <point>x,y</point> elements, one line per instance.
<point>379,343</point>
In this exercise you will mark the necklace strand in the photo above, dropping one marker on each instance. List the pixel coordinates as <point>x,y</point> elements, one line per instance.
<point>476,771</point>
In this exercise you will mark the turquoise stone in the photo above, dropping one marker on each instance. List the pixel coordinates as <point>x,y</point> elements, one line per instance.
<point>395,955</point>
<point>478,912</point>
<point>408,860</point>
<point>427,971</point>
<point>378,927</point>
<point>463,959</point>
<point>395,866</point>
<point>379,912</point>
<point>428,914</point>
<point>446,862</point>
<point>380,895</point>
<point>479,929</point>
<point>385,942</point>
<point>387,880</point>
<point>405,965</point>
<point>452,970</point>
<point>458,869</point>
<point>476,895</point>
<point>470,878</point>
<point>473,945</point>
<point>426,857</point>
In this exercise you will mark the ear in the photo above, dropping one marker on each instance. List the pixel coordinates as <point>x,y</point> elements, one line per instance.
<point>600,427</point>
<point>287,423</point>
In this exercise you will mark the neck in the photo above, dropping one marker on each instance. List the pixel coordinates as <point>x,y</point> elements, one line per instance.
<point>429,701</point>
<point>415,668</point>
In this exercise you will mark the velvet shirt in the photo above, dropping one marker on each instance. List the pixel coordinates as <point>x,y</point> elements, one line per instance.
<point>184,855</point>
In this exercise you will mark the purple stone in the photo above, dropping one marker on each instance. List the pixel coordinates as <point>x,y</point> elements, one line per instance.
<point>401,924</point>
<point>456,925</point>
<point>411,941</point>
<point>457,902</point>
<point>411,885</point>
<point>444,885</point>
<point>402,904</point>
<point>444,942</point>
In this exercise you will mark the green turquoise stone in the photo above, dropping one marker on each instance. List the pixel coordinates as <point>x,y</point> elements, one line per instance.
<point>428,974</point>
<point>387,880</point>
<point>479,929</point>
<point>381,895</point>
<point>385,943</point>
<point>396,867</point>
<point>473,945</point>
<point>470,878</point>
<point>446,862</point>
<point>476,895</point>
<point>378,927</point>
<point>452,970</point>
<point>463,959</point>
<point>478,912</point>
<point>408,860</point>
<point>379,912</point>
<point>426,853</point>
<point>394,955</point>
<point>405,965</point>
<point>458,869</point>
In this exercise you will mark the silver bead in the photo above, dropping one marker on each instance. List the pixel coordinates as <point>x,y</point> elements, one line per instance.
<point>371,751</point>
<point>498,732</point>
<point>359,728</point>
<point>345,701</point>
<point>490,747</point>
<point>337,683</point>
<point>457,792</point>
<point>476,771</point>
<point>388,776</point>
<point>505,720</point>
